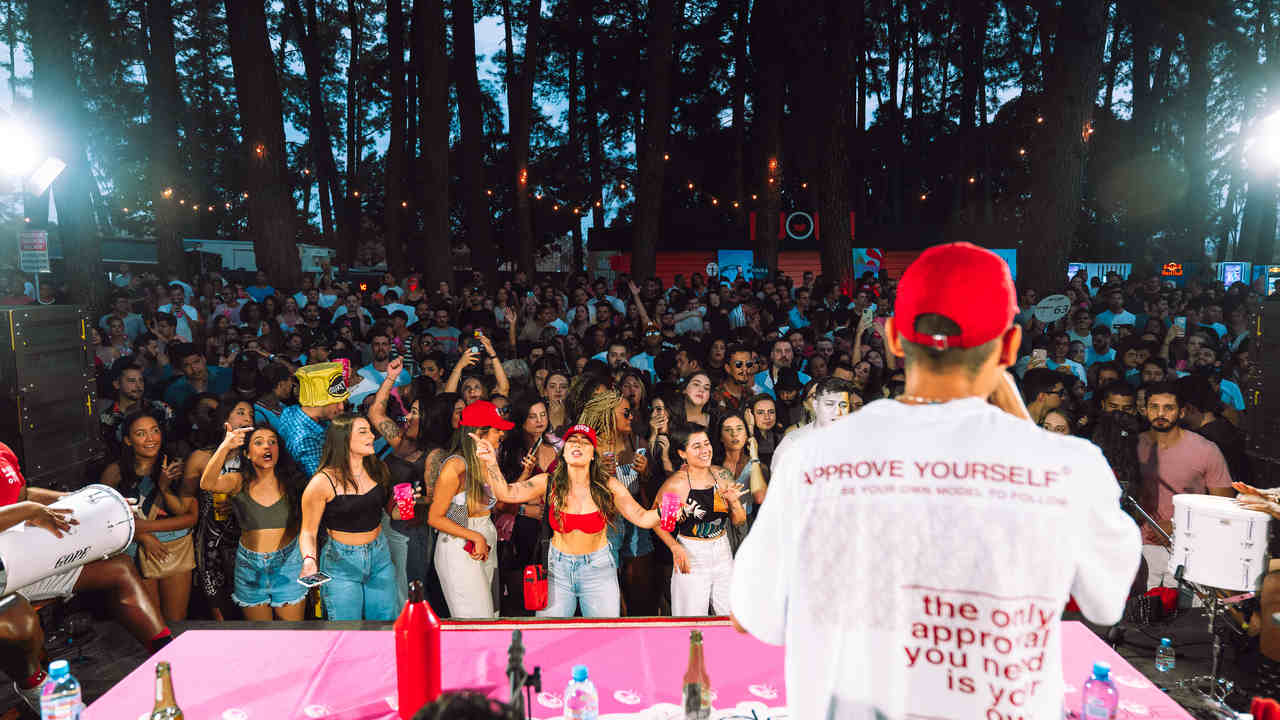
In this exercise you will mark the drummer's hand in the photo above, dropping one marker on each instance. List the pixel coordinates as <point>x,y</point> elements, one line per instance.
<point>1244,489</point>
<point>153,547</point>
<point>1259,503</point>
<point>55,520</point>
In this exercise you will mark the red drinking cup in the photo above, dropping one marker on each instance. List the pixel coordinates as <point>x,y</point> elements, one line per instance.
<point>670,511</point>
<point>404,500</point>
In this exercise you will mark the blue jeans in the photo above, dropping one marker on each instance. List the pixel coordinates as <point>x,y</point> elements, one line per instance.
<point>412,544</point>
<point>589,581</point>
<point>262,578</point>
<point>364,581</point>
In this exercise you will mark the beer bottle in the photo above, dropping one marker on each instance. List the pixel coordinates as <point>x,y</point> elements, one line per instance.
<point>166,707</point>
<point>697,686</point>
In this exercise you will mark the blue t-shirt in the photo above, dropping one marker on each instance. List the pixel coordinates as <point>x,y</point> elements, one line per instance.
<point>181,391</point>
<point>446,338</point>
<point>260,293</point>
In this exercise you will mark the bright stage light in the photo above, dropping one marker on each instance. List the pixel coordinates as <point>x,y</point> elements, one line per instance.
<point>19,150</point>
<point>1266,142</point>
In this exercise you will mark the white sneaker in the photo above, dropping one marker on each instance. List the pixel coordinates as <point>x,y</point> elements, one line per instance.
<point>31,697</point>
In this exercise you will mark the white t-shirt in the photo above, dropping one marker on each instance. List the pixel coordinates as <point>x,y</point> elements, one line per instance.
<point>915,559</point>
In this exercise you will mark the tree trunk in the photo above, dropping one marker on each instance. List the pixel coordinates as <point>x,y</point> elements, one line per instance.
<point>351,199</point>
<point>737,185</point>
<point>433,252</point>
<point>657,121</point>
<point>1114,55</point>
<point>271,208</point>
<point>770,101</point>
<point>393,214</point>
<point>595,149</point>
<point>575,140</point>
<point>973,23</point>
<point>54,28</point>
<point>843,38</point>
<point>166,104</point>
<point>1143,29</point>
<point>520,106</point>
<point>470,114</point>
<point>1070,87</point>
<point>326,170</point>
<point>1193,145</point>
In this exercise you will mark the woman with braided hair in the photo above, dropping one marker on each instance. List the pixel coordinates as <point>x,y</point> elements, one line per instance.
<point>623,456</point>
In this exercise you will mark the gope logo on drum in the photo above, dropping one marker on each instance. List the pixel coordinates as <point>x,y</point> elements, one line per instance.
<point>71,557</point>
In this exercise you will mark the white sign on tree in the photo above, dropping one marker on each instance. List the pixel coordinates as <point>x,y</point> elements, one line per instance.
<point>33,251</point>
<point>1054,307</point>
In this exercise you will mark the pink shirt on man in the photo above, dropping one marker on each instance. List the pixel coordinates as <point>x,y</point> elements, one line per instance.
<point>1192,465</point>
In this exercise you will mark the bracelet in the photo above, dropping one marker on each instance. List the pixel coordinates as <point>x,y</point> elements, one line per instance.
<point>309,557</point>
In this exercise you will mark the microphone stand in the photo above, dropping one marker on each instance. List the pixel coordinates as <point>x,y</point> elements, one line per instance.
<point>519,678</point>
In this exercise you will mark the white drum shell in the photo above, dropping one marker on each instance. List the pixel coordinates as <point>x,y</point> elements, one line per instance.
<point>1218,543</point>
<point>29,554</point>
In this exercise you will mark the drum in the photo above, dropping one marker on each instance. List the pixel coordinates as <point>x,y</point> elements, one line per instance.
<point>29,554</point>
<point>1218,543</point>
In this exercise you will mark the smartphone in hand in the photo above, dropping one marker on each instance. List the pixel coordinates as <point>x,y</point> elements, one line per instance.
<point>314,580</point>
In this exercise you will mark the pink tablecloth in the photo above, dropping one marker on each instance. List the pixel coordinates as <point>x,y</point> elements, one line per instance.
<point>287,674</point>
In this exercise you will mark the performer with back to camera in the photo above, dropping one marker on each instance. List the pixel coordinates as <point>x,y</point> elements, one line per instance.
<point>954,528</point>
<point>22,655</point>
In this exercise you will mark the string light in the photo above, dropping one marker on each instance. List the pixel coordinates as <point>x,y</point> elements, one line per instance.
<point>306,171</point>
<point>924,197</point>
<point>182,202</point>
<point>754,196</point>
<point>735,203</point>
<point>690,184</point>
<point>168,193</point>
<point>1040,119</point>
<point>260,149</point>
<point>804,186</point>
<point>210,208</point>
<point>355,194</point>
<point>556,208</point>
<point>404,204</point>
<point>1022,151</point>
<point>715,201</point>
<point>1087,131</point>
<point>972,180</point>
<point>770,181</point>
<point>538,195</point>
<point>598,204</point>
<point>622,186</point>
<point>227,205</point>
<point>575,211</point>
<point>773,164</point>
<point>524,176</point>
<point>126,209</point>
<point>666,156</point>
<point>489,193</point>
<point>246,195</point>
<point>26,219</point>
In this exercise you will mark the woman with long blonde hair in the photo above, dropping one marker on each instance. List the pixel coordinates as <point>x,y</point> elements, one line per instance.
<point>461,509</point>
<point>348,495</point>
<point>583,501</point>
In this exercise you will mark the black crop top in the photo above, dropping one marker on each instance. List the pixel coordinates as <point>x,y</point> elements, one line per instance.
<point>348,512</point>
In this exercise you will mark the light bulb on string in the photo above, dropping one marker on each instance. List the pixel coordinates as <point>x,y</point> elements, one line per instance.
<point>182,201</point>
<point>924,197</point>
<point>125,209</point>
<point>804,186</point>
<point>555,208</point>
<point>666,156</point>
<point>489,193</point>
<point>210,208</point>
<point>622,187</point>
<point>260,149</point>
<point>1022,151</point>
<point>690,184</point>
<point>735,203</point>
<point>715,201</point>
<point>972,180</point>
<point>167,193</point>
<point>227,205</point>
<point>754,196</point>
<point>246,195</point>
<point>1039,119</point>
<point>575,211</point>
<point>404,204</point>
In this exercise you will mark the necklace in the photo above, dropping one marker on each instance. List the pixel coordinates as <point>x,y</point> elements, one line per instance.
<point>917,400</point>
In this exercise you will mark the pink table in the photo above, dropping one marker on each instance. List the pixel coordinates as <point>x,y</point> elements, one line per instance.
<point>288,674</point>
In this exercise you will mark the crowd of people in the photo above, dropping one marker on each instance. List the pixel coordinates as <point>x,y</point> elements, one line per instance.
<point>540,421</point>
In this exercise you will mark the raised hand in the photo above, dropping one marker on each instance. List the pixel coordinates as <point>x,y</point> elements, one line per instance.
<point>393,368</point>
<point>235,437</point>
<point>484,450</point>
<point>172,470</point>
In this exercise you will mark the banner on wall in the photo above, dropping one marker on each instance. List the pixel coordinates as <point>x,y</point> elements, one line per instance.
<point>736,264</point>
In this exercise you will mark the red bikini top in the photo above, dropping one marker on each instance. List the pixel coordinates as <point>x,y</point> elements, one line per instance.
<point>589,523</point>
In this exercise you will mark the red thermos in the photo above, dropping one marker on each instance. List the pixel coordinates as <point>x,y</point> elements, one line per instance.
<point>417,653</point>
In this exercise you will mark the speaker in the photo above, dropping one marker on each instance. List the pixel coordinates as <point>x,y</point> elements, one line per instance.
<point>1262,394</point>
<point>47,392</point>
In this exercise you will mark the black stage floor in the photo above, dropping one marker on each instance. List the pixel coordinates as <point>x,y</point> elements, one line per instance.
<point>104,654</point>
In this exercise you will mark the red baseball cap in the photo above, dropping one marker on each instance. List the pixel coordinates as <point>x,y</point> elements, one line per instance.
<point>963,282</point>
<point>483,413</point>
<point>584,430</point>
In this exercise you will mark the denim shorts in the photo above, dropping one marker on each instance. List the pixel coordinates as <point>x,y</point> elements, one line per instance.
<point>263,578</point>
<point>587,582</point>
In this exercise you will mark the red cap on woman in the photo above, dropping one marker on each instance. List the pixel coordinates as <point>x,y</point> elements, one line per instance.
<point>483,413</point>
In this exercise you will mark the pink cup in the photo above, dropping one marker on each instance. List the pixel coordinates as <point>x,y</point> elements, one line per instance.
<point>404,500</point>
<point>670,511</point>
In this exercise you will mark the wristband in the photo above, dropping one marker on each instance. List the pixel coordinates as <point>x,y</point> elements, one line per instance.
<point>309,557</point>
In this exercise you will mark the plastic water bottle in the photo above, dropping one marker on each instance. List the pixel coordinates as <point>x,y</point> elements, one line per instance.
<point>60,696</point>
<point>1100,698</point>
<point>580,699</point>
<point>1165,657</point>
